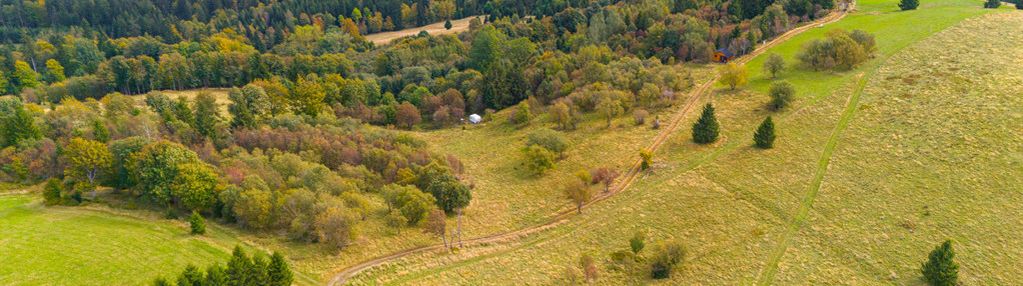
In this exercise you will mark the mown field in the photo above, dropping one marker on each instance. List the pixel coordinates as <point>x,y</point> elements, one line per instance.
<point>93,245</point>
<point>872,169</point>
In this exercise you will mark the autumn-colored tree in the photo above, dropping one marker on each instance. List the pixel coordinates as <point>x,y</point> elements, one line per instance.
<point>609,109</point>
<point>561,114</point>
<point>436,224</point>
<point>605,176</point>
<point>86,159</point>
<point>579,193</point>
<point>407,115</point>
<point>307,98</point>
<point>335,227</point>
<point>589,267</point>
<point>732,75</point>
<point>646,156</point>
<point>538,159</point>
<point>195,186</point>
<point>54,71</point>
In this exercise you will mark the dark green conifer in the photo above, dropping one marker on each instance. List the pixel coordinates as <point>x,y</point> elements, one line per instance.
<point>764,137</point>
<point>940,268</point>
<point>706,129</point>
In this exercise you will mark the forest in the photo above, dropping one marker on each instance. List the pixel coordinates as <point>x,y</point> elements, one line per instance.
<point>292,154</point>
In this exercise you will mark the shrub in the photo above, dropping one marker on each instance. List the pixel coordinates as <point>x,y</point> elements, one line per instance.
<point>447,24</point>
<point>775,63</point>
<point>992,4</point>
<point>839,50</point>
<point>589,267</point>
<point>197,223</point>
<point>549,139</point>
<point>706,128</point>
<point>521,115</point>
<point>52,190</point>
<point>908,4</point>
<point>637,242</point>
<point>539,159</point>
<point>647,159</point>
<point>781,94</point>
<point>764,137</point>
<point>640,116</point>
<point>940,268</point>
<point>666,256</point>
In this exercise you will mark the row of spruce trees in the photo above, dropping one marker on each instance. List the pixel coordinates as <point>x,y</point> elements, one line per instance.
<point>241,270</point>
<point>705,130</point>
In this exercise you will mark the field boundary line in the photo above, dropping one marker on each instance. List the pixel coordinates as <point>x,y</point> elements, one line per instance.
<point>631,176</point>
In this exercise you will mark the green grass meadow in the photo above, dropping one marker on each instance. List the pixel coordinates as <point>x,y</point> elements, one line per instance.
<point>872,169</point>
<point>91,245</point>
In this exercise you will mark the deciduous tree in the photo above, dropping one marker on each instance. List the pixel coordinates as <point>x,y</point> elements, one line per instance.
<point>732,75</point>
<point>775,63</point>
<point>782,93</point>
<point>87,159</point>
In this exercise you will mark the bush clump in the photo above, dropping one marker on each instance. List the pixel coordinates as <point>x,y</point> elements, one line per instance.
<point>839,50</point>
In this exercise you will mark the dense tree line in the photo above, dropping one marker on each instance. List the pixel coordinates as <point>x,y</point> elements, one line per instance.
<point>576,56</point>
<point>314,179</point>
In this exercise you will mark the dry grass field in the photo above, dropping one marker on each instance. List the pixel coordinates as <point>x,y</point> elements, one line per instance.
<point>872,169</point>
<point>457,26</point>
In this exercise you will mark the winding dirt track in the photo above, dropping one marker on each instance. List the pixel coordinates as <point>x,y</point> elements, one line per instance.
<point>695,96</point>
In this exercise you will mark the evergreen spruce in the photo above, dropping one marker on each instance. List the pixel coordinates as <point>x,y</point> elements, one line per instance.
<point>940,269</point>
<point>198,223</point>
<point>764,137</point>
<point>908,4</point>
<point>706,129</point>
<point>278,271</point>
<point>239,268</point>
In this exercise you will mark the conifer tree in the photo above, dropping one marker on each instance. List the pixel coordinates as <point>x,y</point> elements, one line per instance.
<point>447,25</point>
<point>278,272</point>
<point>239,268</point>
<point>198,223</point>
<point>940,268</point>
<point>764,137</point>
<point>908,4</point>
<point>706,129</point>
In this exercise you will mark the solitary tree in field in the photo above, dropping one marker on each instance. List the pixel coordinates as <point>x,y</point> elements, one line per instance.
<point>764,137</point>
<point>908,4</point>
<point>775,63</point>
<point>604,176</point>
<point>732,75</point>
<point>197,223</point>
<point>706,129</point>
<point>447,24</point>
<point>539,159</point>
<point>781,94</point>
<point>647,159</point>
<point>579,193</point>
<point>940,269</point>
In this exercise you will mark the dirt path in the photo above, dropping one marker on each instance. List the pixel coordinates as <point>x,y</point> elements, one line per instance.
<point>695,97</point>
<point>457,26</point>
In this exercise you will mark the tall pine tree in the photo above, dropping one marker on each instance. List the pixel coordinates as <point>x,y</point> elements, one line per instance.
<point>764,137</point>
<point>940,269</point>
<point>706,129</point>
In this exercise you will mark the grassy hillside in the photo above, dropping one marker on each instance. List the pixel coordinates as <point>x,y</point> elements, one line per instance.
<point>94,246</point>
<point>841,198</point>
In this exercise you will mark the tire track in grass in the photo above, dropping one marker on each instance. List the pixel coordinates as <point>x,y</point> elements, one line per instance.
<point>852,104</point>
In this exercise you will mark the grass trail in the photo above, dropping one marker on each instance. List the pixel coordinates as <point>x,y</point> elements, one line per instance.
<point>767,275</point>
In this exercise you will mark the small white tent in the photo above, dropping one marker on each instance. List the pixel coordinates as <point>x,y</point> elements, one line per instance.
<point>475,118</point>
